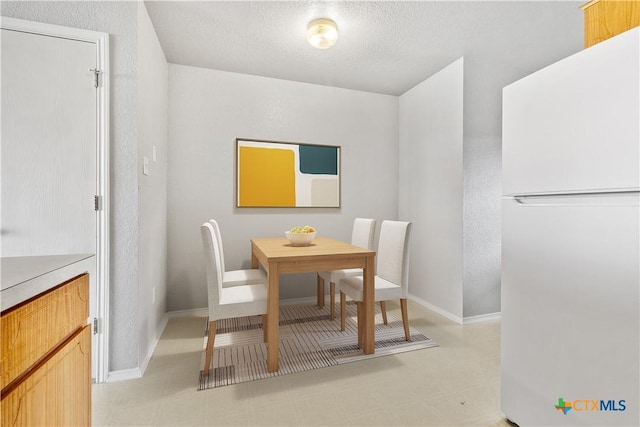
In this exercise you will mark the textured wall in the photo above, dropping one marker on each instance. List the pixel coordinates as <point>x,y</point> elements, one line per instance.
<point>431,186</point>
<point>209,109</point>
<point>152,221</point>
<point>119,19</point>
<point>483,83</point>
<point>482,226</point>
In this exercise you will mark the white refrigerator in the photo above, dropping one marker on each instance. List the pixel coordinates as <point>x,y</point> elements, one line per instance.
<point>570,349</point>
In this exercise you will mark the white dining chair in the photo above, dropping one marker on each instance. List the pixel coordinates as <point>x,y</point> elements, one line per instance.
<point>361,235</point>
<point>391,280</point>
<point>236,277</point>
<point>227,302</point>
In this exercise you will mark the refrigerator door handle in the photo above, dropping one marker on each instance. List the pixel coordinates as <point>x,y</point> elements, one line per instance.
<point>626,198</point>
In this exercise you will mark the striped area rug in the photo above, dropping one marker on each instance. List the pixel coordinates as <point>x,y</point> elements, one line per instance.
<point>308,340</point>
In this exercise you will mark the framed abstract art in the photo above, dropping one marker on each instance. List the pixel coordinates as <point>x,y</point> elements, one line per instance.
<point>287,174</point>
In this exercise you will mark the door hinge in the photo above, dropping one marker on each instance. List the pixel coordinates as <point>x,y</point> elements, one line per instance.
<point>96,203</point>
<point>96,76</point>
<point>95,326</point>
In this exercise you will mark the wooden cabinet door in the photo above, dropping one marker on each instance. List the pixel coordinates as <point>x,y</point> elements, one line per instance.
<point>606,18</point>
<point>32,330</point>
<point>58,393</point>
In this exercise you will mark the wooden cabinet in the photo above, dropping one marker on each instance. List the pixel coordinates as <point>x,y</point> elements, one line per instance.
<point>46,358</point>
<point>606,18</point>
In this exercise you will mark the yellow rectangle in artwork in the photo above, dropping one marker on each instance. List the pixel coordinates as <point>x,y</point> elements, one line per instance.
<point>266,177</point>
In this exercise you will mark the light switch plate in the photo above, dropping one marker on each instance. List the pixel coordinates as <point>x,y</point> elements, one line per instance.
<point>145,166</point>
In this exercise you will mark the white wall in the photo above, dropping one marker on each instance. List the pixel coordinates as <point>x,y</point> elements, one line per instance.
<point>209,109</point>
<point>119,19</point>
<point>431,186</point>
<point>152,198</point>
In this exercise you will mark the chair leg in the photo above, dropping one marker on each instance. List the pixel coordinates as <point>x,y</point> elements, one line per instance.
<point>359,313</point>
<point>332,298</point>
<point>264,327</point>
<point>383,310</point>
<point>320,291</point>
<point>211,337</point>
<point>405,318</point>
<point>343,303</point>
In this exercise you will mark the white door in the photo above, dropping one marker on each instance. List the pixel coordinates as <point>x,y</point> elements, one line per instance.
<point>49,145</point>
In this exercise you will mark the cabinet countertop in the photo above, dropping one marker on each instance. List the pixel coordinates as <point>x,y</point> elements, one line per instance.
<point>27,276</point>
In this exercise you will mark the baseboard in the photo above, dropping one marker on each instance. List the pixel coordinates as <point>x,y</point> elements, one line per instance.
<point>459,320</point>
<point>152,348</point>
<point>191,312</point>
<point>124,375</point>
<point>437,310</point>
<point>482,318</point>
<point>132,374</point>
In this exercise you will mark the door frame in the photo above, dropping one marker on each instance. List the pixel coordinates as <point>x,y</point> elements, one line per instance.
<point>101,41</point>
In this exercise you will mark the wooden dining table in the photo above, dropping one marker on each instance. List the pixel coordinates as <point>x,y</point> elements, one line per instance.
<point>277,256</point>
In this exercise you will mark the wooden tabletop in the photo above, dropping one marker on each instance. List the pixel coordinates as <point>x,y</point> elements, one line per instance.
<point>322,254</point>
<point>279,247</point>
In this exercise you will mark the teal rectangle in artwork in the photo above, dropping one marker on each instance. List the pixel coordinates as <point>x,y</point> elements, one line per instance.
<point>318,159</point>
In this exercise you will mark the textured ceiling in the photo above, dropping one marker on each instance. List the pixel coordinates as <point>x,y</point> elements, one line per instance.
<point>384,46</point>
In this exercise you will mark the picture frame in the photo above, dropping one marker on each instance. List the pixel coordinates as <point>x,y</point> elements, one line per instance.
<point>276,174</point>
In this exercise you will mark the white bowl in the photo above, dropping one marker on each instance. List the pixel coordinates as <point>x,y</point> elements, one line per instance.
<point>300,239</point>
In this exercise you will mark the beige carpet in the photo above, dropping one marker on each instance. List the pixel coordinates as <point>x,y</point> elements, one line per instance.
<point>308,340</point>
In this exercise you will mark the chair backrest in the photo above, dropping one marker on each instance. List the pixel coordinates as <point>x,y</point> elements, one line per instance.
<point>393,253</point>
<point>213,264</point>
<point>363,232</point>
<point>216,229</point>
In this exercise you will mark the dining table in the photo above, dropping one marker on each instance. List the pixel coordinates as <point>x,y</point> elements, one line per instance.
<point>278,256</point>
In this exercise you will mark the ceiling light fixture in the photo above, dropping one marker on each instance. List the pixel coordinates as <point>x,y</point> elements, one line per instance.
<point>322,33</point>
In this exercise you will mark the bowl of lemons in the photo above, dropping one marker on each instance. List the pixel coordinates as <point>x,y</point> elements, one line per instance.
<point>301,236</point>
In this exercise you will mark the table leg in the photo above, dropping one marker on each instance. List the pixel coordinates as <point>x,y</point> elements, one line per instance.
<point>320,286</point>
<point>254,264</point>
<point>273,315</point>
<point>254,260</point>
<point>368,345</point>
